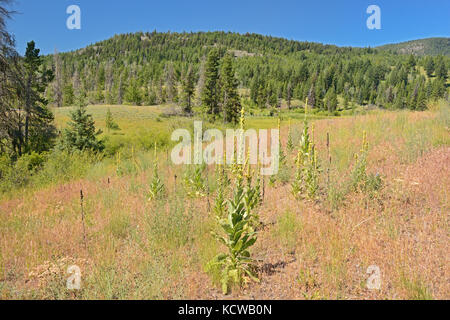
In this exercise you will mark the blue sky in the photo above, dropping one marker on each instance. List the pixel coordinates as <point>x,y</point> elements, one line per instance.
<point>326,21</point>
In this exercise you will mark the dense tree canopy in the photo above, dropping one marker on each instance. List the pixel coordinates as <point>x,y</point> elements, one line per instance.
<point>150,68</point>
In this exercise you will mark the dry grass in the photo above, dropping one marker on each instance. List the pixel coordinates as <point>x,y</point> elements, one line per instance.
<point>138,249</point>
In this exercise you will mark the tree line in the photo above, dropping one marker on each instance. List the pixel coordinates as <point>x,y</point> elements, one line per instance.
<point>157,68</point>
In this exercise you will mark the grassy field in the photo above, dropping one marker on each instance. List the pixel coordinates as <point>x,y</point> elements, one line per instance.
<point>130,247</point>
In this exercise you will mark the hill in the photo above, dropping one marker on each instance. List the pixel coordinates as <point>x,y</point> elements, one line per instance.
<point>429,46</point>
<point>149,68</point>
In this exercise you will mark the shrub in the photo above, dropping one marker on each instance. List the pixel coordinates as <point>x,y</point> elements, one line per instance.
<point>19,174</point>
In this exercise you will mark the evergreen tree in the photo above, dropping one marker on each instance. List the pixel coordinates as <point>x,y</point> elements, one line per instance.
<point>411,62</point>
<point>69,95</point>
<point>210,95</point>
<point>152,97</point>
<point>201,82</point>
<point>171,89</point>
<point>438,90</point>
<point>188,85</point>
<point>133,93</point>
<point>110,123</point>
<point>331,100</point>
<point>230,97</point>
<point>429,66</point>
<point>81,133</point>
<point>39,130</point>
<point>441,69</point>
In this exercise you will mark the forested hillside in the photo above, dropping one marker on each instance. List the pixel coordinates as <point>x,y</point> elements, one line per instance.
<point>430,46</point>
<point>150,68</point>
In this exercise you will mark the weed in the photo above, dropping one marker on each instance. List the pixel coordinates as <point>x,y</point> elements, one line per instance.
<point>193,181</point>
<point>360,180</point>
<point>157,188</point>
<point>236,266</point>
<point>306,182</point>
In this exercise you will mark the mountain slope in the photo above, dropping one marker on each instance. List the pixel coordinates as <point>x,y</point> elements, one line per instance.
<point>149,68</point>
<point>429,46</point>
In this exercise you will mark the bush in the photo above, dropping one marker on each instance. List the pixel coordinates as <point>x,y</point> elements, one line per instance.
<point>63,166</point>
<point>15,176</point>
<point>18,175</point>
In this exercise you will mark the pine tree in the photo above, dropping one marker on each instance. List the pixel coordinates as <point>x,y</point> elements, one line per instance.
<point>68,94</point>
<point>152,97</point>
<point>110,123</point>
<point>331,100</point>
<point>39,130</point>
<point>441,69</point>
<point>171,88</point>
<point>438,90</point>
<point>210,95</point>
<point>188,85</point>
<point>429,66</point>
<point>231,102</point>
<point>201,82</point>
<point>133,94</point>
<point>411,62</point>
<point>81,133</point>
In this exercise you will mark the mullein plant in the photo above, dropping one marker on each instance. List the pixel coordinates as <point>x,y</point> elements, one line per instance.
<point>282,155</point>
<point>157,188</point>
<point>252,196</point>
<point>236,267</point>
<point>360,180</point>
<point>258,186</point>
<point>137,166</point>
<point>119,170</point>
<point>193,180</point>
<point>312,170</point>
<point>306,181</point>
<point>290,144</point>
<point>223,182</point>
<point>282,159</point>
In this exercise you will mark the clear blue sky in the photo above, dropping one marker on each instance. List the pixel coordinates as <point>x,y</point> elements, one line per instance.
<point>326,21</point>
